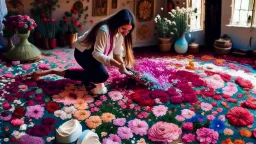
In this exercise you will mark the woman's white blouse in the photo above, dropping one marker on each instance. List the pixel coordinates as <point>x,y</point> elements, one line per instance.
<point>102,43</point>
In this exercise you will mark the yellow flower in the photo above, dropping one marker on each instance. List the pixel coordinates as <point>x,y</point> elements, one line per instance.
<point>107,117</point>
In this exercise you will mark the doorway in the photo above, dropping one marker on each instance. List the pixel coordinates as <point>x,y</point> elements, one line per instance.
<point>212,22</point>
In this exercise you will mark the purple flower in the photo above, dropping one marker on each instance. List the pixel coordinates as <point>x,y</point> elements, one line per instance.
<point>35,111</point>
<point>119,122</point>
<point>5,116</point>
<point>125,133</point>
<point>115,138</point>
<point>138,127</point>
<point>27,139</point>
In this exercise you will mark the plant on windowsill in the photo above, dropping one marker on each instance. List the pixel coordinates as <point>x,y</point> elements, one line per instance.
<point>165,32</point>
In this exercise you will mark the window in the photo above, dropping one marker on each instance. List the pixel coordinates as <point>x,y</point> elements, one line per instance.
<point>243,12</point>
<point>196,19</point>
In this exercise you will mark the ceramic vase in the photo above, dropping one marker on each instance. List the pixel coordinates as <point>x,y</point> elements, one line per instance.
<point>181,45</point>
<point>24,50</point>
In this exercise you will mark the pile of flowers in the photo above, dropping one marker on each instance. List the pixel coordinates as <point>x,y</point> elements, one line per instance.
<point>199,106</point>
<point>19,23</point>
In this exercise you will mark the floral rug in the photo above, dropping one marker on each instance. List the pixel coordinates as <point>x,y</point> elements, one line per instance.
<point>193,99</point>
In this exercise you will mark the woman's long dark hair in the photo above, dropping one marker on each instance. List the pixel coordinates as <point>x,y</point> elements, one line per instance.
<point>113,22</point>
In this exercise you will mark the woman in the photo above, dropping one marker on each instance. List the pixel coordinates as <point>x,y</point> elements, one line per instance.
<point>102,45</point>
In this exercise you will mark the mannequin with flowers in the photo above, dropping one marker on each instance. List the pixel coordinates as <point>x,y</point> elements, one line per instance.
<point>24,50</point>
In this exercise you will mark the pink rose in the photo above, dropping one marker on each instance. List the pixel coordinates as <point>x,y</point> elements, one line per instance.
<point>17,122</point>
<point>188,126</point>
<point>164,132</point>
<point>6,106</point>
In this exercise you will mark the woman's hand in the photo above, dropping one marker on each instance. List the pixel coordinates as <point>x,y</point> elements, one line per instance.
<point>123,70</point>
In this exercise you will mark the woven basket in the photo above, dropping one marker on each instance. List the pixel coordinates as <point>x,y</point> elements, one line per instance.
<point>222,51</point>
<point>221,43</point>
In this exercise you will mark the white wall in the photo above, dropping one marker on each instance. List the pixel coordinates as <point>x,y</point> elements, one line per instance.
<point>239,35</point>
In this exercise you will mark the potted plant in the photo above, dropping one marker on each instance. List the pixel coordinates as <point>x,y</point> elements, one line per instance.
<point>165,32</point>
<point>193,47</point>
<point>52,33</point>
<point>62,30</point>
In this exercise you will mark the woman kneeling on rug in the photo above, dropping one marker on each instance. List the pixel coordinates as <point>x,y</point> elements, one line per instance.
<point>102,45</point>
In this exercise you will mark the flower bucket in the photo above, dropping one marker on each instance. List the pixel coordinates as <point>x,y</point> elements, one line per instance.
<point>52,43</point>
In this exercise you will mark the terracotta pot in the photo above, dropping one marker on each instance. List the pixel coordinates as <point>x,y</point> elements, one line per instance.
<point>165,44</point>
<point>71,39</point>
<point>52,43</point>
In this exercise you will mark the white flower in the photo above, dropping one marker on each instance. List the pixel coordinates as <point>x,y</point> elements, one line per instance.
<point>23,127</point>
<point>162,8</point>
<point>17,101</point>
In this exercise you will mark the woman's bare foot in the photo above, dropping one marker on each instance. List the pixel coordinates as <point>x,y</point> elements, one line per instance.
<point>37,75</point>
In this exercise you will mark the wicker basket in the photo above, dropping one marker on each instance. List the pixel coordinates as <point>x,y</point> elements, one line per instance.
<point>222,51</point>
<point>221,43</point>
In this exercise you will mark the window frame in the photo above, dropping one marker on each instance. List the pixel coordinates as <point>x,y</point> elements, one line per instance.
<point>189,5</point>
<point>252,23</point>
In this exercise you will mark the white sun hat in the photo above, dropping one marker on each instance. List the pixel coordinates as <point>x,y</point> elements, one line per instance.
<point>88,137</point>
<point>69,131</point>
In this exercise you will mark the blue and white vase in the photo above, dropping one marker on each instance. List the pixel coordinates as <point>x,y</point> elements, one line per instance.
<point>181,45</point>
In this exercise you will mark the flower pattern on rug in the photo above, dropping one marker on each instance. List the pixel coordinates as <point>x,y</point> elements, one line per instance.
<point>174,99</point>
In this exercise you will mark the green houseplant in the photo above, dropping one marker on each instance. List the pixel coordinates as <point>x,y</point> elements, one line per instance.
<point>165,31</point>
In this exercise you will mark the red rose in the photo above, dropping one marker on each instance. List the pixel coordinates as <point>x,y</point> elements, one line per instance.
<point>19,112</point>
<point>52,107</point>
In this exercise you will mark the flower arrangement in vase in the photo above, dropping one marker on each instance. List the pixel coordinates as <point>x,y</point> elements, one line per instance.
<point>20,24</point>
<point>180,16</point>
<point>24,50</point>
